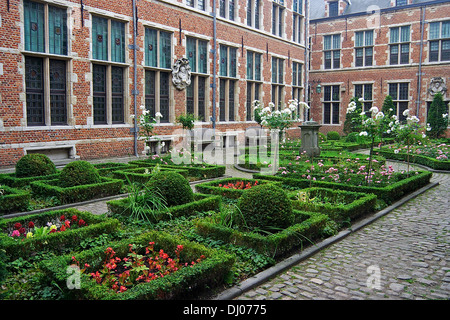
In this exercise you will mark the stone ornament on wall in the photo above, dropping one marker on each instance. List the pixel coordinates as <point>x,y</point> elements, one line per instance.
<point>181,74</point>
<point>437,85</point>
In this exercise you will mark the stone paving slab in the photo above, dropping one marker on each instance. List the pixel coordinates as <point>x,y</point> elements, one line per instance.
<point>402,256</point>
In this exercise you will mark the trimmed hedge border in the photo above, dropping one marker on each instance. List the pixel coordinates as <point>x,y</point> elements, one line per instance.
<point>139,175</point>
<point>388,194</point>
<point>108,187</point>
<point>107,168</point>
<point>360,204</point>
<point>209,272</point>
<point>11,180</point>
<point>208,172</point>
<point>57,241</point>
<point>212,187</point>
<point>417,159</point>
<point>201,203</point>
<point>308,228</point>
<point>14,200</point>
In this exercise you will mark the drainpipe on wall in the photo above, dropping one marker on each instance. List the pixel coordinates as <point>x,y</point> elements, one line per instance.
<point>213,86</point>
<point>307,53</point>
<point>419,76</point>
<point>135,91</point>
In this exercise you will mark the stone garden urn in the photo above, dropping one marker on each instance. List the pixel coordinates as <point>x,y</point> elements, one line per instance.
<point>310,138</point>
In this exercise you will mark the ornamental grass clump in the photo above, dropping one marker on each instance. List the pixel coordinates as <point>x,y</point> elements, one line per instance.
<point>33,165</point>
<point>265,207</point>
<point>79,173</point>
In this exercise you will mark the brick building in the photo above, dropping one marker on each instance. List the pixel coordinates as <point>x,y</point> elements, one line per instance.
<point>73,72</point>
<point>372,49</point>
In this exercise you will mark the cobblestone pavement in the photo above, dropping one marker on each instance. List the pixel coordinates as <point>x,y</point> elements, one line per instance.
<point>402,256</point>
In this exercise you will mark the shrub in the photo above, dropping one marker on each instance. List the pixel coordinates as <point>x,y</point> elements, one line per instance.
<point>333,135</point>
<point>437,122</point>
<point>79,173</point>
<point>172,186</point>
<point>33,165</point>
<point>266,206</point>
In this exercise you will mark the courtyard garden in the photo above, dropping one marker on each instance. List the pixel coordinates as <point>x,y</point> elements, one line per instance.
<point>164,237</point>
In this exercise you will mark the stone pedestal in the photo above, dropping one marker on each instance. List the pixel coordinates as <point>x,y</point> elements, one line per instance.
<point>310,138</point>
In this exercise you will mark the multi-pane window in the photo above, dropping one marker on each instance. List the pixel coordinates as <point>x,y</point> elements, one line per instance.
<point>253,13</point>
<point>400,95</point>
<point>108,45</point>
<point>439,41</point>
<point>199,4</point>
<point>332,51</point>
<point>297,21</point>
<point>45,28</point>
<point>196,51</point>
<point>227,9</point>
<point>227,83</point>
<point>334,9</point>
<point>297,85</point>
<point>331,102</point>
<point>277,82</point>
<point>363,48</point>
<point>365,91</point>
<point>399,45</point>
<point>158,62</point>
<point>254,81</point>
<point>278,18</point>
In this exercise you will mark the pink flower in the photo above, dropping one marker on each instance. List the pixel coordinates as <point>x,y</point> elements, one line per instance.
<point>16,233</point>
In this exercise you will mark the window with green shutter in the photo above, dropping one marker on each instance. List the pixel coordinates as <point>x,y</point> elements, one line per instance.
<point>151,47</point>
<point>57,30</point>
<point>99,38</point>
<point>166,49</point>
<point>191,49</point>
<point>117,41</point>
<point>34,26</point>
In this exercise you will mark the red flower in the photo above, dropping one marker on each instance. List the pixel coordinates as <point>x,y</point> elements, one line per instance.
<point>52,230</point>
<point>30,224</point>
<point>81,222</point>
<point>17,226</point>
<point>74,218</point>
<point>67,223</point>
<point>22,230</point>
<point>62,228</point>
<point>62,218</point>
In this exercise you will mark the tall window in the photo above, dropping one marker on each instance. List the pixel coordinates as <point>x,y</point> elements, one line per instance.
<point>45,29</point>
<point>364,48</point>
<point>199,4</point>
<point>332,51</point>
<point>439,41</point>
<point>399,93</point>
<point>278,18</point>
<point>227,9</point>
<point>227,83</point>
<point>297,85</point>
<point>334,8</point>
<point>253,13</point>
<point>277,82</point>
<point>108,45</point>
<point>197,54</point>
<point>399,45</point>
<point>297,21</point>
<point>254,81</point>
<point>158,62</point>
<point>365,91</point>
<point>331,102</point>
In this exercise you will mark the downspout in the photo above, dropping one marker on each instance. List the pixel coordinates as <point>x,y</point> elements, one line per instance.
<point>307,54</point>
<point>135,91</point>
<point>419,76</point>
<point>214,86</point>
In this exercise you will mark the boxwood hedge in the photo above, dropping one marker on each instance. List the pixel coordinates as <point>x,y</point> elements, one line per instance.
<point>13,200</point>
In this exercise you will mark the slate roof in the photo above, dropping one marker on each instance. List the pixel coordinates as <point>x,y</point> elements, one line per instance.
<point>317,7</point>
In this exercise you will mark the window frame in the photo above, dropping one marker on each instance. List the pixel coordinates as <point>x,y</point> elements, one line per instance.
<point>278,82</point>
<point>228,84</point>
<point>364,48</point>
<point>254,83</point>
<point>332,103</point>
<point>367,103</point>
<point>278,18</point>
<point>398,102</point>
<point>440,39</point>
<point>399,45</point>
<point>227,9</point>
<point>333,51</point>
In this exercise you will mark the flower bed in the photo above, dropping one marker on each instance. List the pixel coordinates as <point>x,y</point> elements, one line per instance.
<point>390,193</point>
<point>54,230</point>
<point>13,200</point>
<point>203,171</point>
<point>107,187</point>
<point>339,205</point>
<point>142,279</point>
<point>437,163</point>
<point>142,175</point>
<point>202,202</point>
<point>308,227</point>
<point>230,187</point>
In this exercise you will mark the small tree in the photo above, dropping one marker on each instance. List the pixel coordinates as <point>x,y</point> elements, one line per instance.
<point>437,117</point>
<point>352,118</point>
<point>388,107</point>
